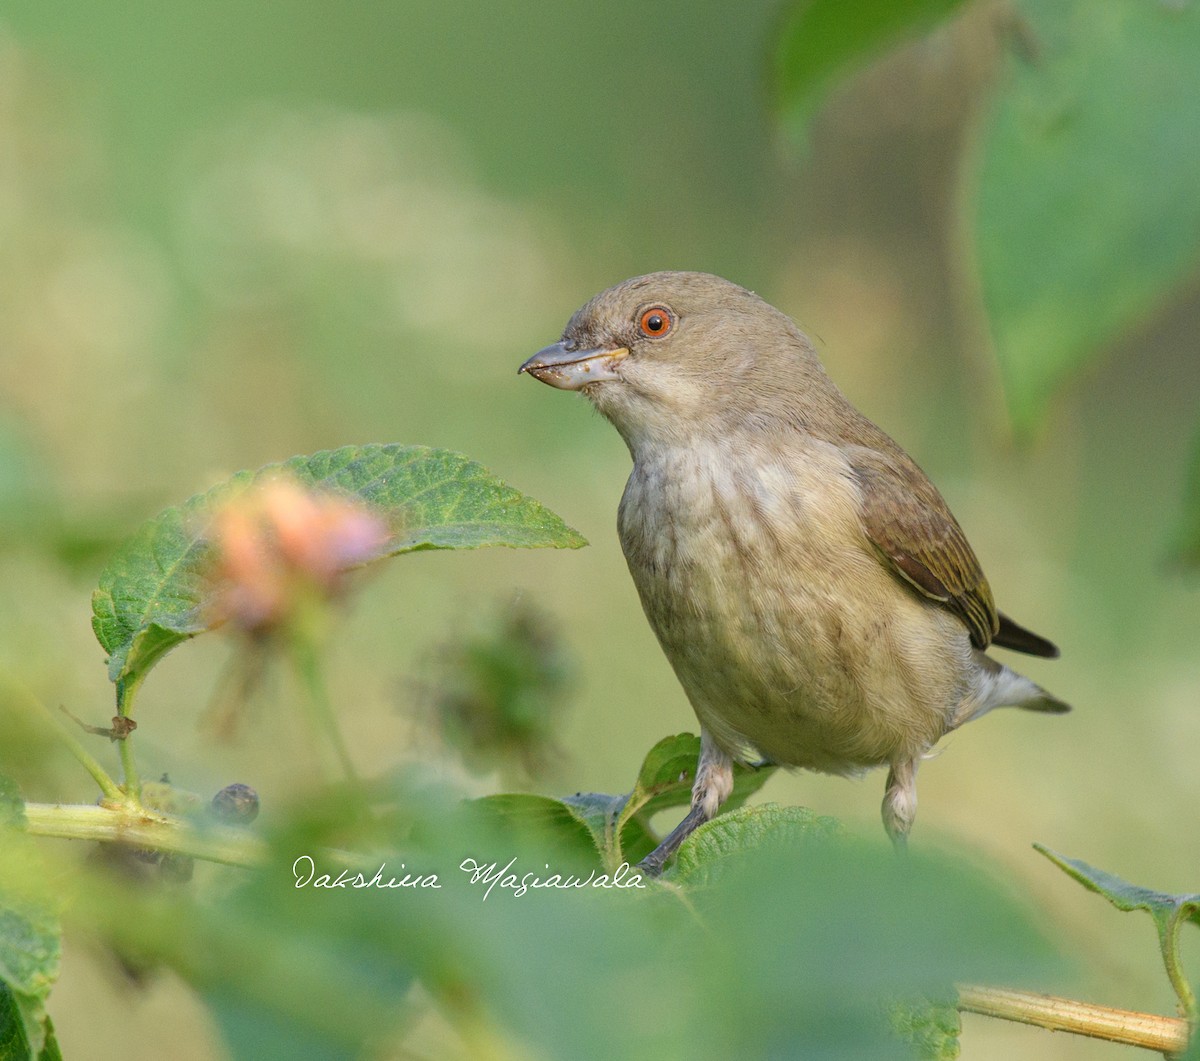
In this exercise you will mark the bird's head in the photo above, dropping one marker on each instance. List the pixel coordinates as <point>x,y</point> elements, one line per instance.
<point>665,355</point>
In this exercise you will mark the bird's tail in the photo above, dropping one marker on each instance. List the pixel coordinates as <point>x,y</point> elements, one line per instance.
<point>1045,702</point>
<point>1000,686</point>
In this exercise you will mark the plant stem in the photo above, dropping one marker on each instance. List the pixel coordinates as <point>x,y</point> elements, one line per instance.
<point>101,776</point>
<point>308,667</point>
<point>112,791</point>
<point>140,828</point>
<point>133,784</point>
<point>1168,936</point>
<point>1164,1035</point>
<point>126,690</point>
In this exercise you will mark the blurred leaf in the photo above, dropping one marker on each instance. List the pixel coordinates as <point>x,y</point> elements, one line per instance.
<point>732,835</point>
<point>266,954</point>
<point>593,974</point>
<point>585,973</point>
<point>931,1028</point>
<point>1186,547</point>
<point>1168,911</point>
<point>30,950</point>
<point>152,594</point>
<point>522,821</point>
<point>824,41</point>
<point>871,928</point>
<point>1087,215</point>
<point>255,1033</point>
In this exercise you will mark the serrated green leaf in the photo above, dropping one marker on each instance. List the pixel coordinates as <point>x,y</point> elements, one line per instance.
<point>731,836</point>
<point>825,41</point>
<point>1087,217</point>
<point>1168,911</point>
<point>153,593</point>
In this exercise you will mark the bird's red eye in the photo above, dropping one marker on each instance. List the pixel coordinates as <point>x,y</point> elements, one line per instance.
<point>655,322</point>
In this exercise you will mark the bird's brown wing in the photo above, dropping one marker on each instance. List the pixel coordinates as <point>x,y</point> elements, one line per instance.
<point>1015,636</point>
<point>910,525</point>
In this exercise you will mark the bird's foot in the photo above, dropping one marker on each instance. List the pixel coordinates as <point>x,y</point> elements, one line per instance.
<point>652,865</point>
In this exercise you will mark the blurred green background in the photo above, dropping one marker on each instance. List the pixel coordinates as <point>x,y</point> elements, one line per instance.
<point>231,233</point>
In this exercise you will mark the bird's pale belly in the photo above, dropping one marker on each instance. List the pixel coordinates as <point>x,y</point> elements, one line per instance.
<point>791,639</point>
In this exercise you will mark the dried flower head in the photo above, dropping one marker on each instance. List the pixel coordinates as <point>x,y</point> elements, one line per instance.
<point>280,545</point>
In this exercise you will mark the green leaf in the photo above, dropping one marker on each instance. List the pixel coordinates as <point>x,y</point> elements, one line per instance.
<point>251,1030</point>
<point>825,41</point>
<point>620,825</point>
<point>666,777</point>
<point>1087,215</point>
<point>930,1027</point>
<point>731,836</point>
<point>539,823</point>
<point>1168,911</point>
<point>665,781</point>
<point>788,955</point>
<point>601,813</point>
<point>154,593</point>
<point>668,772</point>
<point>30,951</point>
<point>14,1042</point>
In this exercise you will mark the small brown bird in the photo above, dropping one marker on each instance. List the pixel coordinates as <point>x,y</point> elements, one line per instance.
<point>817,599</point>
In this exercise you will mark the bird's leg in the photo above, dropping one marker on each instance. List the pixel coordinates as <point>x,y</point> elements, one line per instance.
<point>714,782</point>
<point>900,801</point>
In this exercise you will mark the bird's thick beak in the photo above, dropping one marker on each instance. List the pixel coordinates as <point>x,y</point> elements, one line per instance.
<point>570,370</point>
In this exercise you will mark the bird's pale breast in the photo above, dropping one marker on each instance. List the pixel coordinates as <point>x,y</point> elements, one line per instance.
<point>790,637</point>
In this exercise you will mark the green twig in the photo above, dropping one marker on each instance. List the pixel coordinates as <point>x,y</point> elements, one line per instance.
<point>112,791</point>
<point>1164,1035</point>
<point>126,689</point>
<point>1168,938</point>
<point>308,668</point>
<point>145,829</point>
<point>133,784</point>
